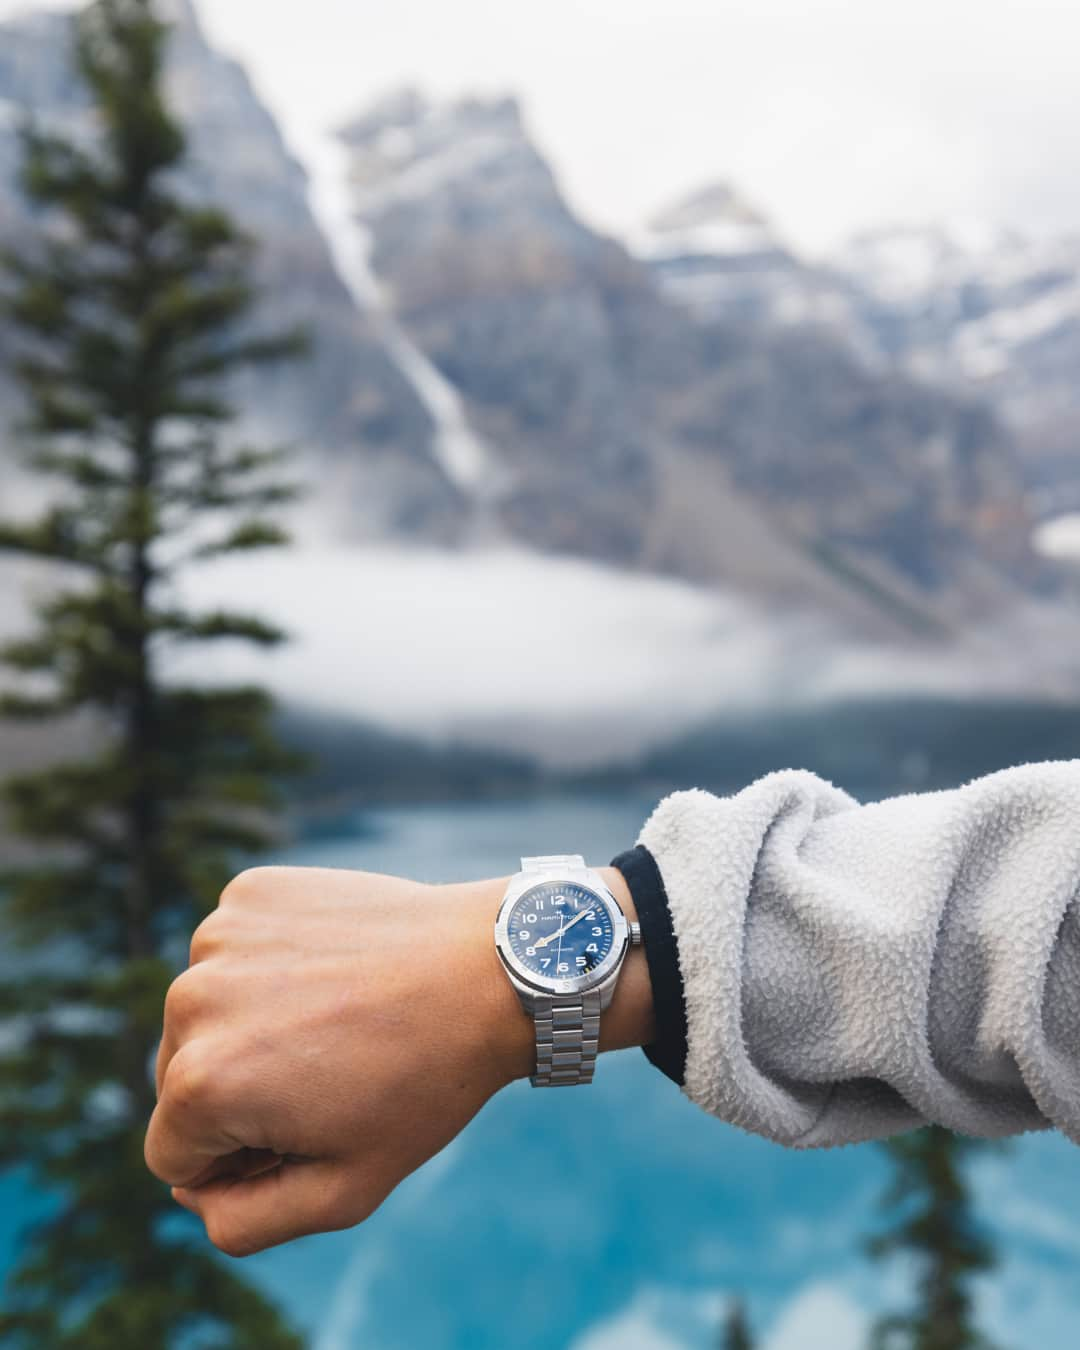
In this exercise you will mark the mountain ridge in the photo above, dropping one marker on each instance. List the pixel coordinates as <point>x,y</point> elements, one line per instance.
<point>980,310</point>
<point>492,321</point>
<point>349,393</point>
<point>568,353</point>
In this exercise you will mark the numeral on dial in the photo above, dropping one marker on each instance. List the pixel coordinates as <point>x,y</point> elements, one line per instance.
<point>574,918</point>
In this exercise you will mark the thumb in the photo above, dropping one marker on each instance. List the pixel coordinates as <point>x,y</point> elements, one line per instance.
<point>245,1214</point>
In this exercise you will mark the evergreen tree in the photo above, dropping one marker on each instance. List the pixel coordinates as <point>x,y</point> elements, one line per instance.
<point>126,311</point>
<point>735,1334</point>
<point>935,1223</point>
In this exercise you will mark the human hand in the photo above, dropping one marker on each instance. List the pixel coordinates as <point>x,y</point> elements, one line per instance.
<point>334,1031</point>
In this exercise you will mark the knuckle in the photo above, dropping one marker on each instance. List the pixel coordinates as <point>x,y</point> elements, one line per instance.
<point>207,939</point>
<point>189,1079</point>
<point>161,1064</point>
<point>247,887</point>
<point>183,1000</point>
<point>151,1151</point>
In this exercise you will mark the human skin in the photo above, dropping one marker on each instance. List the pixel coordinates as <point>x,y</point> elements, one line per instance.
<point>333,1031</point>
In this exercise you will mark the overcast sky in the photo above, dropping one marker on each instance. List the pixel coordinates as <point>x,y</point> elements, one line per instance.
<point>831,114</point>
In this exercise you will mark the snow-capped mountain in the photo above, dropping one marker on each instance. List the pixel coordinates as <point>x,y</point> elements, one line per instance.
<point>487,365</point>
<point>981,311</point>
<point>634,423</point>
<point>717,254</point>
<point>511,298</point>
<point>990,311</point>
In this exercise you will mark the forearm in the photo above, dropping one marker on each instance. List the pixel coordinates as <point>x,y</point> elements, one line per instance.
<point>850,971</point>
<point>840,973</point>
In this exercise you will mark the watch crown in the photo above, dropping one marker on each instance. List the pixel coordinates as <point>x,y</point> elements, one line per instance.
<point>635,935</point>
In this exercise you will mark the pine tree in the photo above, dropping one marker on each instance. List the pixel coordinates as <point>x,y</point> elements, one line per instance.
<point>735,1334</point>
<point>127,311</point>
<point>936,1224</point>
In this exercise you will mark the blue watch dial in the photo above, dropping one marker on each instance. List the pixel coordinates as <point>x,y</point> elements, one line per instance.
<point>560,930</point>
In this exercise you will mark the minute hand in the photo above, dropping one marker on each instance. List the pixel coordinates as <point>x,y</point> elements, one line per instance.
<point>544,941</point>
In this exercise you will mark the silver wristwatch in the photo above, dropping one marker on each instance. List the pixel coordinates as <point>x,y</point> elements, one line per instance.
<point>563,937</point>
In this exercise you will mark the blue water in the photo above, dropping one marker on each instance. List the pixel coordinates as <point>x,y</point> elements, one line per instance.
<point>655,1214</point>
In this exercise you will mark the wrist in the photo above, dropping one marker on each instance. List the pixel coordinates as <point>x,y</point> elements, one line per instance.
<point>629,1020</point>
<point>509,1033</point>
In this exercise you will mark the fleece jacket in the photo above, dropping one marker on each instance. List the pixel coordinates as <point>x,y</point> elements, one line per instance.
<point>827,972</point>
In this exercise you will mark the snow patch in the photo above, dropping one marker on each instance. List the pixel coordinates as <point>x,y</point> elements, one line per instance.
<point>428,172</point>
<point>906,265</point>
<point>990,339</point>
<point>717,239</point>
<point>465,458</point>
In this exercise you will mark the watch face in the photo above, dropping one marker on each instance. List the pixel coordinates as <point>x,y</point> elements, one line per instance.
<point>560,930</point>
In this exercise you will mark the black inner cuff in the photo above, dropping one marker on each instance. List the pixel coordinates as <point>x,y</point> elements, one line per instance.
<point>668,1051</point>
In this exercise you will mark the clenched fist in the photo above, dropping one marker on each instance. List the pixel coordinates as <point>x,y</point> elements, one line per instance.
<point>335,1030</point>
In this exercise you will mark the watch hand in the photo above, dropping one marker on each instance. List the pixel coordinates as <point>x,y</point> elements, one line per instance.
<point>543,942</point>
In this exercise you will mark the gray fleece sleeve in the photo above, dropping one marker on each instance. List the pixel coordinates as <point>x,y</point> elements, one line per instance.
<point>851,971</point>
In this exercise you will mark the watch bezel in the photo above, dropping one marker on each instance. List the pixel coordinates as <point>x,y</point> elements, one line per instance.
<point>524,882</point>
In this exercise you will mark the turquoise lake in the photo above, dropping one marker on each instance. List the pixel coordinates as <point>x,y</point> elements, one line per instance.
<point>657,1213</point>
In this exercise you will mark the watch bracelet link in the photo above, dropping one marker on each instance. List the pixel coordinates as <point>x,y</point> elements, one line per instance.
<point>567,1039</point>
<point>567,1028</point>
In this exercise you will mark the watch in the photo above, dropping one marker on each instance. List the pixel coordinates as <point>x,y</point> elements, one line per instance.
<point>562,937</point>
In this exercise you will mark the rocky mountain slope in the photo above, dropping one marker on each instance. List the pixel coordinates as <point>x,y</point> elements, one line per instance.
<point>699,441</point>
<point>366,435</point>
<point>987,311</point>
<point>981,312</point>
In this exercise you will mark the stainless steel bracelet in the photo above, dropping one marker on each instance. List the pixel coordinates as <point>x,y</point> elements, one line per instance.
<point>567,1037</point>
<point>567,1027</point>
<point>560,863</point>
